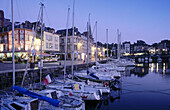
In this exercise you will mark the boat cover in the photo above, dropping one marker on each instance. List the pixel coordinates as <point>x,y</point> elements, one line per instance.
<point>94,76</point>
<point>21,90</point>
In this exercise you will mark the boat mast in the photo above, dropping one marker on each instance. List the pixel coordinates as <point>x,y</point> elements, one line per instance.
<point>65,57</point>
<point>42,6</point>
<point>118,45</point>
<point>107,42</point>
<point>13,52</point>
<point>72,41</point>
<point>96,43</point>
<point>88,34</point>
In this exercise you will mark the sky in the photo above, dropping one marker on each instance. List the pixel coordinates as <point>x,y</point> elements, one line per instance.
<point>147,20</point>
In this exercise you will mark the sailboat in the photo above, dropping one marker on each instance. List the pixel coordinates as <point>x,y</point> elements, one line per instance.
<point>77,89</point>
<point>86,75</point>
<point>96,73</point>
<point>103,76</point>
<point>13,102</point>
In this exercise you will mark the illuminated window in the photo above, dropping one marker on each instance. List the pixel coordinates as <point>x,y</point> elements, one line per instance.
<point>27,37</point>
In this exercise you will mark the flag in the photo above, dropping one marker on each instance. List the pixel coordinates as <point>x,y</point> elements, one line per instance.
<point>47,79</point>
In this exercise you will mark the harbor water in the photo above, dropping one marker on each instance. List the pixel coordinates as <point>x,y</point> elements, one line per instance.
<point>147,87</point>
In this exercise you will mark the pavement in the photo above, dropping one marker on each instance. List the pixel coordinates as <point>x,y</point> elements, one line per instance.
<point>5,67</point>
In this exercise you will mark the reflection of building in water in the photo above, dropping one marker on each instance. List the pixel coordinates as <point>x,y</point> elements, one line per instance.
<point>128,71</point>
<point>153,67</point>
<point>159,67</point>
<point>141,71</point>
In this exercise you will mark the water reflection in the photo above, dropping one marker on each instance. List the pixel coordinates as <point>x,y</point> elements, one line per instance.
<point>162,68</point>
<point>139,71</point>
<point>106,103</point>
<point>143,69</point>
<point>141,88</point>
<point>108,100</point>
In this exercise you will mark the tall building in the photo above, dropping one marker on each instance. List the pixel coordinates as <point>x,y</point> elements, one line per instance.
<point>140,48</point>
<point>50,41</point>
<point>164,47</point>
<point>22,41</point>
<point>23,38</point>
<point>126,48</point>
<point>80,44</point>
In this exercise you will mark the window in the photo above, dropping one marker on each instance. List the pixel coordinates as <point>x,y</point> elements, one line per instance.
<point>78,40</point>
<point>75,47</point>
<point>5,47</point>
<point>62,49</point>
<point>69,48</point>
<point>21,37</point>
<point>50,38</point>
<point>68,40</point>
<point>56,46</point>
<point>47,45</point>
<point>2,40</point>
<point>62,40</point>
<point>22,46</point>
<point>27,37</point>
<point>56,39</point>
<point>50,45</point>
<point>46,37</point>
<point>16,37</point>
<point>75,40</point>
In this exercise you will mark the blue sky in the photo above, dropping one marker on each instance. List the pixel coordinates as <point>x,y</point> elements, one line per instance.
<point>147,20</point>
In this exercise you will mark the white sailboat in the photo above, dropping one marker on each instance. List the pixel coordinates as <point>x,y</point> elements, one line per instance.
<point>12,102</point>
<point>20,103</point>
<point>67,86</point>
<point>87,75</point>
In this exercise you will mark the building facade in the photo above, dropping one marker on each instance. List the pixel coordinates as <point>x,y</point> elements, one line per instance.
<point>79,42</point>
<point>126,48</point>
<point>50,42</point>
<point>23,38</point>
